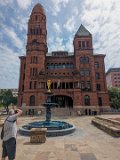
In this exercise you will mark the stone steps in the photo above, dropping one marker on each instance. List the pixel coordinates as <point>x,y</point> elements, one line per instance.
<point>111,127</point>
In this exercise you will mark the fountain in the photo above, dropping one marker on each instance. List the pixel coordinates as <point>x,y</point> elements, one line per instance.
<point>54,128</point>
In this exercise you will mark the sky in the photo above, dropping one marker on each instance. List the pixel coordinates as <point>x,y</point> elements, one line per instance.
<point>64,17</point>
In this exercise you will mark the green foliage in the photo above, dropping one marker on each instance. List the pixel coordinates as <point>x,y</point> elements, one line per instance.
<point>114,94</point>
<point>1,106</point>
<point>6,98</point>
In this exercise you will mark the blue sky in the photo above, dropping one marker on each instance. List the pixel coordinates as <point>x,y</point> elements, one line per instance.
<point>100,17</point>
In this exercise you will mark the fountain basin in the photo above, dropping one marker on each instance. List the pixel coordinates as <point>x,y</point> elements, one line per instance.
<point>54,128</point>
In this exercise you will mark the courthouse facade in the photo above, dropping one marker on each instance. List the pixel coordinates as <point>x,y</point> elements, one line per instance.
<point>78,78</point>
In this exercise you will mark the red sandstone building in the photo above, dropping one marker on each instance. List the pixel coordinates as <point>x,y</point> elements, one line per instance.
<point>78,78</point>
<point>113,77</point>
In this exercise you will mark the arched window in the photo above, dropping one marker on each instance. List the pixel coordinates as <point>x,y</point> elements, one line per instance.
<point>32,100</point>
<point>86,100</point>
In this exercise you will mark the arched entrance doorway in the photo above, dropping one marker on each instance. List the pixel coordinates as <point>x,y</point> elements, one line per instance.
<point>63,101</point>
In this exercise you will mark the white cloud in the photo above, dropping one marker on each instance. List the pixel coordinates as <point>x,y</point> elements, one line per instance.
<point>20,22</point>
<point>56,44</point>
<point>69,44</point>
<point>1,16</point>
<point>56,27</point>
<point>57,4</point>
<point>24,4</point>
<point>9,67</point>
<point>70,24</point>
<point>6,2</point>
<point>75,11</point>
<point>102,20</point>
<point>13,37</point>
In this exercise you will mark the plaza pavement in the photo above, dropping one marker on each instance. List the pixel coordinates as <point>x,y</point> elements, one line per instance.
<point>86,143</point>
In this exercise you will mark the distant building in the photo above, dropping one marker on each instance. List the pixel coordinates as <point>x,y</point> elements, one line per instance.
<point>113,77</point>
<point>78,79</point>
<point>13,90</point>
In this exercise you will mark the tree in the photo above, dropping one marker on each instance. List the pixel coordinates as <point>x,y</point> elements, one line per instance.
<point>7,99</point>
<point>114,94</point>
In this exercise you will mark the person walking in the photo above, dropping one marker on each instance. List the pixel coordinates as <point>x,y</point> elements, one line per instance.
<point>10,133</point>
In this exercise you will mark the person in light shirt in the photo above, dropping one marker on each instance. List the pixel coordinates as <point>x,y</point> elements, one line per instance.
<point>10,133</point>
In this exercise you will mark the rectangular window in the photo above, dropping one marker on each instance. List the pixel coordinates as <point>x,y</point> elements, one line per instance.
<point>87,72</point>
<point>99,101</point>
<point>80,44</point>
<point>35,85</point>
<point>76,85</point>
<point>83,44</point>
<point>82,72</point>
<point>82,85</point>
<point>98,87</point>
<point>96,65</point>
<point>34,60</point>
<point>97,76</point>
<point>24,76</point>
<point>30,87</point>
<point>88,86</point>
<point>22,88</point>
<point>87,44</point>
<point>30,71</point>
<point>34,72</point>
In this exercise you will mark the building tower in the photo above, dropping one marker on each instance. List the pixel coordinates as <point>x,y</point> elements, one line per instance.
<point>34,62</point>
<point>92,71</point>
